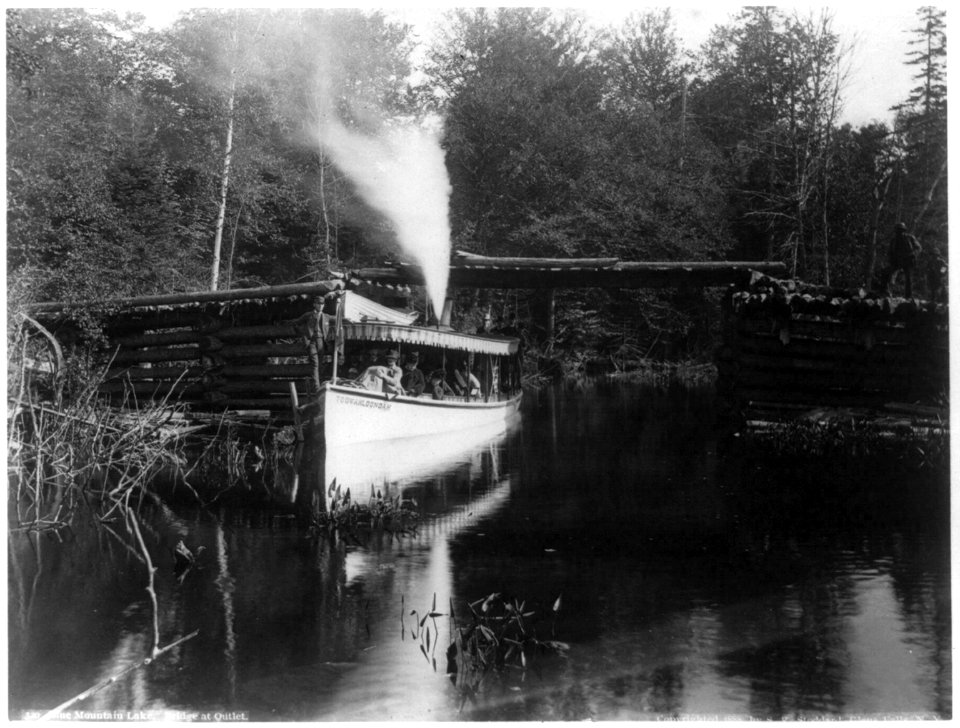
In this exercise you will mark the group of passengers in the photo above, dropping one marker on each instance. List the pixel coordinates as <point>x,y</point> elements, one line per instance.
<point>385,374</point>
<point>377,373</point>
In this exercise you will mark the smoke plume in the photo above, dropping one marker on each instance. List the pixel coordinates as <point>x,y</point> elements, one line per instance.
<point>401,173</point>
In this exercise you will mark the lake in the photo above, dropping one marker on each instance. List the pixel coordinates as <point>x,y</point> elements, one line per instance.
<point>691,583</point>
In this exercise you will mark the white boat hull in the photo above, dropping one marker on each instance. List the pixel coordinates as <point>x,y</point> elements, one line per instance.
<point>360,466</point>
<point>351,415</point>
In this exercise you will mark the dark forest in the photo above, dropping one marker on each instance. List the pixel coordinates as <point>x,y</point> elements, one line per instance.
<point>143,161</point>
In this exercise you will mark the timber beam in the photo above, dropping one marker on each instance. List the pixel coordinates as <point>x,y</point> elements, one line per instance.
<point>504,273</point>
<point>473,271</point>
<point>317,288</point>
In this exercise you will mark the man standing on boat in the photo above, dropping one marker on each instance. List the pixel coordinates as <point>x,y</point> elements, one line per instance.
<point>314,327</point>
<point>413,380</point>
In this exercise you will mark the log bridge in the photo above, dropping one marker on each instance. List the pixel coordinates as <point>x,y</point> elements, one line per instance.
<point>238,349</point>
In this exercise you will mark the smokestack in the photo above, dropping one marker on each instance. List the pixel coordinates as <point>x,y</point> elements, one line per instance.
<point>447,314</point>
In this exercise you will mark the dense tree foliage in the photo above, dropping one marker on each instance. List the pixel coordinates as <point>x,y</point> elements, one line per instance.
<point>921,129</point>
<point>133,154</point>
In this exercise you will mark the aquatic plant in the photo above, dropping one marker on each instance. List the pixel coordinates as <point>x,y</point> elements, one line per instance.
<point>898,441</point>
<point>498,636</point>
<point>347,517</point>
<point>668,374</point>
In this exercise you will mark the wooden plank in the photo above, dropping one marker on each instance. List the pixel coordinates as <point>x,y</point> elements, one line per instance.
<point>240,351</point>
<point>275,371</point>
<point>843,332</point>
<point>783,361</point>
<point>863,380</point>
<point>263,386</point>
<point>153,390</point>
<point>154,373</point>
<point>672,274</point>
<point>822,398</point>
<point>166,338</point>
<point>841,352</point>
<point>265,331</point>
<point>155,354</point>
<point>464,258</point>
<point>191,297</point>
<point>280,403</point>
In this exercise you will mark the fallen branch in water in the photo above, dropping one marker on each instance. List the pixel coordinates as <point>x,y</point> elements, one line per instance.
<point>55,712</point>
<point>151,570</point>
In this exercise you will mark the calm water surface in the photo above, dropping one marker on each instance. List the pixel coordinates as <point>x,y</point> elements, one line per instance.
<point>692,585</point>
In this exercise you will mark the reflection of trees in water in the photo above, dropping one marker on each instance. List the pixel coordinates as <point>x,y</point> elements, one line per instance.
<point>656,546</point>
<point>650,526</point>
<point>257,595</point>
<point>633,449</point>
<point>85,610</point>
<point>921,583</point>
<point>817,531</point>
<point>794,678</point>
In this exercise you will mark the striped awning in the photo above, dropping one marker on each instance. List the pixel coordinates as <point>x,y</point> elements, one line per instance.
<point>361,309</point>
<point>400,334</point>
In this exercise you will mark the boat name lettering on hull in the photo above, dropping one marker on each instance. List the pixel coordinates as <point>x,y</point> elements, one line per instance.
<point>364,403</point>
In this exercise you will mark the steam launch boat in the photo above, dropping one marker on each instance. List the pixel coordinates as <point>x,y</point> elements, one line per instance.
<point>374,393</point>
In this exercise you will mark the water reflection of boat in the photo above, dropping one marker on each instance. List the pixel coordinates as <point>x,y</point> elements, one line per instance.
<point>350,413</point>
<point>400,460</point>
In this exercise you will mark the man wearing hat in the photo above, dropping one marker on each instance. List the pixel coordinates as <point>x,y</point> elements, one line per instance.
<point>384,377</point>
<point>393,375</point>
<point>313,328</point>
<point>413,380</point>
<point>903,255</point>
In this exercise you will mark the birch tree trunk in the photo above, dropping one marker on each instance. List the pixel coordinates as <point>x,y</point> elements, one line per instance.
<point>323,208</point>
<point>233,245</point>
<point>880,199</point>
<point>224,184</point>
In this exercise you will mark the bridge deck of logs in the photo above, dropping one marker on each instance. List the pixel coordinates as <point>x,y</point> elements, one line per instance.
<point>239,350</point>
<point>787,347</point>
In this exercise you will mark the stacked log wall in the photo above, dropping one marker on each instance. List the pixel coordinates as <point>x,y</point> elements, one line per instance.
<point>237,355</point>
<point>789,348</point>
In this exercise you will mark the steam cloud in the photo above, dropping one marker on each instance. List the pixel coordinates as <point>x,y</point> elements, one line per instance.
<point>402,174</point>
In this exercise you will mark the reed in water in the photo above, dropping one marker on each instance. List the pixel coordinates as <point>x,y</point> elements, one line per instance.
<point>66,444</point>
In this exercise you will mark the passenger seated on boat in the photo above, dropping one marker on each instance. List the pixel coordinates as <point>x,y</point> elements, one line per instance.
<point>466,382</point>
<point>413,380</point>
<point>391,383</point>
<point>354,367</point>
<point>383,377</point>
<point>438,385</point>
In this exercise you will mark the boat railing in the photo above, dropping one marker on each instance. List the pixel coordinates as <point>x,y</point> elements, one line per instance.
<point>496,397</point>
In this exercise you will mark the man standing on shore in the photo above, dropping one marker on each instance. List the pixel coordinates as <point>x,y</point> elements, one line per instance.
<point>903,255</point>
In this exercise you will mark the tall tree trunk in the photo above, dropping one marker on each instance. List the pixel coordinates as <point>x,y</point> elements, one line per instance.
<point>233,245</point>
<point>224,185</point>
<point>928,197</point>
<point>880,197</point>
<point>323,210</point>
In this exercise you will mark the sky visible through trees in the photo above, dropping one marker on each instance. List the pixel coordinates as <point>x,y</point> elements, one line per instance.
<point>192,155</point>
<point>877,82</point>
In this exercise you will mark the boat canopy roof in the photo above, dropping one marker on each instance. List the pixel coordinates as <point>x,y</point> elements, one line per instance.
<point>422,336</point>
<point>366,320</point>
<point>359,309</point>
